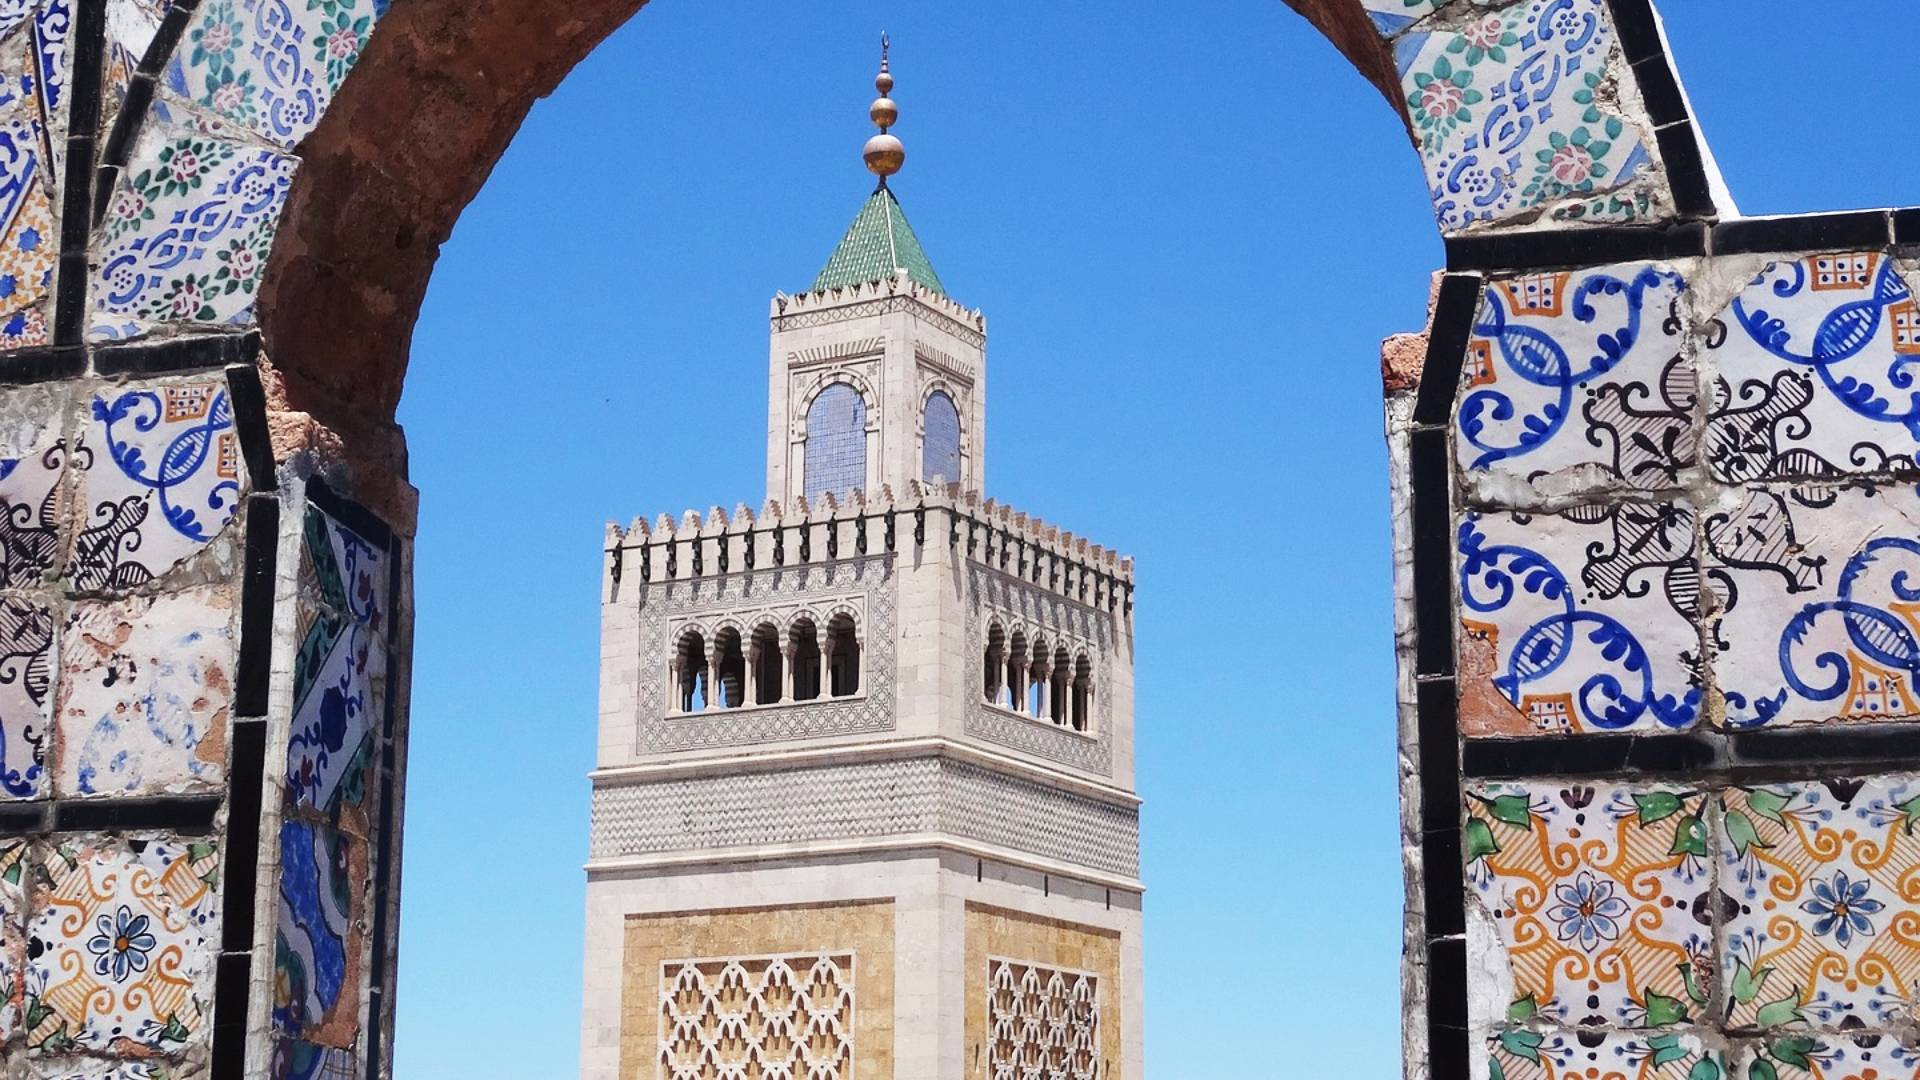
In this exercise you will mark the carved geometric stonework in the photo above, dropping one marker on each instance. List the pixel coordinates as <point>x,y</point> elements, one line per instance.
<point>775,1016</point>
<point>1043,1023</point>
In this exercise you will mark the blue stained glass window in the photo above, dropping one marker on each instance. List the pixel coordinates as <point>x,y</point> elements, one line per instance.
<point>940,450</point>
<point>836,442</point>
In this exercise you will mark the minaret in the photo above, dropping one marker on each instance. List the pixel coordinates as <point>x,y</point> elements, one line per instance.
<point>863,806</point>
<point>876,375</point>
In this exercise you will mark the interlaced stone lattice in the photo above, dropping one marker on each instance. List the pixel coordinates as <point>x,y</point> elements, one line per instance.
<point>1042,1023</point>
<point>768,1018</point>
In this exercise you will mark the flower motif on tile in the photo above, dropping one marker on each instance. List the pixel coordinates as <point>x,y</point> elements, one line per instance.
<point>1806,1056</point>
<point>272,65</point>
<point>1601,897</point>
<point>26,699</point>
<point>1818,620</point>
<point>339,672</point>
<point>1826,932</point>
<point>1613,336</point>
<point>1524,1054</point>
<point>121,946</point>
<point>1511,109</point>
<point>163,478</point>
<point>165,249</point>
<point>1609,650</point>
<point>144,704</point>
<point>320,938</point>
<point>1813,372</point>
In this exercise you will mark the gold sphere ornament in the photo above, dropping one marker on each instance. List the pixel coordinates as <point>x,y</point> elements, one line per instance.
<point>883,82</point>
<point>884,155</point>
<point>884,112</point>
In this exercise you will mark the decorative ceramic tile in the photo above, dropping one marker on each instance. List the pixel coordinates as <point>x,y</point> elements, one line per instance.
<point>272,65</point>
<point>26,697</point>
<point>1576,383</point>
<point>1579,622</point>
<point>339,673</point>
<point>29,236</point>
<point>1807,1056</point>
<point>13,934</point>
<point>121,945</point>
<point>1391,17</point>
<point>1817,620</point>
<point>163,478</point>
<point>1602,896</point>
<point>1812,369</point>
<point>294,1060</point>
<point>1825,932</point>
<point>1512,114</point>
<point>32,503</point>
<point>145,695</point>
<point>1613,1055</point>
<point>80,1068</point>
<point>187,232</point>
<point>320,942</point>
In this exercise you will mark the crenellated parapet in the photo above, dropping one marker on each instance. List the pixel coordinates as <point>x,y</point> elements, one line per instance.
<point>803,531</point>
<point>879,297</point>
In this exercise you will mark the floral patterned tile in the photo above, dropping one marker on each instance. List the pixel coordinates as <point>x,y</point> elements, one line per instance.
<point>1512,114</point>
<point>339,673</point>
<point>163,478</point>
<point>1579,622</point>
<point>1811,368</point>
<point>146,689</point>
<point>1825,933</point>
<point>1563,1055</point>
<point>131,26</point>
<point>121,945</point>
<point>1815,621</point>
<point>1827,1057</point>
<point>320,943</point>
<point>1576,383</point>
<point>26,697</point>
<point>187,231</point>
<point>1602,896</point>
<point>269,65</point>
<point>29,235</point>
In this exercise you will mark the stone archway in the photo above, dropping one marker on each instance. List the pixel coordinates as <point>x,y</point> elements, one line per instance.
<point>201,465</point>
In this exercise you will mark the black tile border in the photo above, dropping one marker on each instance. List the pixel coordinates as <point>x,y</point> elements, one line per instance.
<point>248,763</point>
<point>88,42</point>
<point>1455,309</point>
<point>254,671</point>
<point>140,93</point>
<point>1574,248</point>
<point>1686,166</point>
<point>361,520</point>
<point>231,991</point>
<point>204,351</point>
<point>1850,230</point>
<point>379,979</point>
<point>43,365</point>
<point>250,424</point>
<point>189,814</point>
<point>1622,755</point>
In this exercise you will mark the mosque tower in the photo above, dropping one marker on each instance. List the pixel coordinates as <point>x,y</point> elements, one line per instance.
<point>863,805</point>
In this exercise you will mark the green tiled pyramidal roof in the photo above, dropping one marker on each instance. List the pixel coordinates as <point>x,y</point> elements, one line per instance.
<point>878,242</point>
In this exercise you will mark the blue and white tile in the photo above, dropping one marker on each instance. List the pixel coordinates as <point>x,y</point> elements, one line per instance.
<point>1512,117</point>
<point>272,65</point>
<point>1392,17</point>
<point>320,940</point>
<point>1577,383</point>
<point>1812,369</point>
<point>187,231</point>
<point>146,694</point>
<point>163,479</point>
<point>27,659</point>
<point>1579,622</point>
<point>339,672</point>
<point>131,26</point>
<point>1817,621</point>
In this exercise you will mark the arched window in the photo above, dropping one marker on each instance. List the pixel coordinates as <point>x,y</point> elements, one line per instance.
<point>765,657</point>
<point>1062,675</point>
<point>805,641</point>
<point>1082,693</point>
<point>690,672</point>
<point>940,447</point>
<point>836,442</point>
<point>843,657</point>
<point>730,669</point>
<point>993,675</point>
<point>1016,694</point>
<point>1035,703</point>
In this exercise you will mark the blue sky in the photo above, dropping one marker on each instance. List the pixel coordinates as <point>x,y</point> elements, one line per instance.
<point>1189,225</point>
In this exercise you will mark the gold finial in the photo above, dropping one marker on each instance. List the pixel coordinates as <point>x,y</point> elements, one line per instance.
<point>884,153</point>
